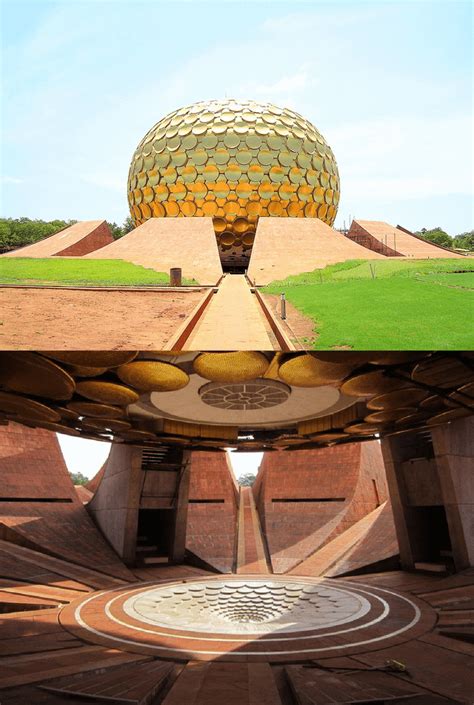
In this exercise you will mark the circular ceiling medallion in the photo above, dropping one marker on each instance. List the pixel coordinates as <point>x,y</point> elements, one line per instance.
<point>257,394</point>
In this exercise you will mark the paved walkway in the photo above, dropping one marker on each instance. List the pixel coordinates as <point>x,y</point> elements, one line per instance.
<point>250,548</point>
<point>232,321</point>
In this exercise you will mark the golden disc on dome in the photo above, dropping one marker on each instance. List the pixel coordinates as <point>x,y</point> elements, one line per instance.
<point>219,225</point>
<point>88,408</point>
<point>372,384</point>
<point>107,358</point>
<point>240,225</point>
<point>30,373</point>
<point>388,415</point>
<point>394,400</point>
<point>153,376</point>
<point>104,424</point>
<point>209,208</point>
<point>304,370</point>
<point>231,366</point>
<point>275,208</point>
<point>295,209</point>
<point>188,208</point>
<point>107,392</point>
<point>443,372</point>
<point>227,238</point>
<point>248,239</point>
<point>450,415</point>
<point>172,209</point>
<point>14,405</point>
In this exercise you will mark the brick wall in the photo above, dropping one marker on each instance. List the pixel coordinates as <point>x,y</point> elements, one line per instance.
<point>211,528</point>
<point>343,474</point>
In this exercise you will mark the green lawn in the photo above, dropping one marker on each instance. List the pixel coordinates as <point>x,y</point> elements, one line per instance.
<point>79,272</point>
<point>409,305</point>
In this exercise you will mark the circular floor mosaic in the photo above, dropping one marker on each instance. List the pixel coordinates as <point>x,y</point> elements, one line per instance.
<point>272,618</point>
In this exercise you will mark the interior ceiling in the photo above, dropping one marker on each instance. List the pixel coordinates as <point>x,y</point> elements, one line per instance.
<point>244,400</point>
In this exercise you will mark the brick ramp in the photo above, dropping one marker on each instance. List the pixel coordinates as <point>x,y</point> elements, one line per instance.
<point>376,234</point>
<point>40,508</point>
<point>76,240</point>
<point>224,683</point>
<point>362,544</point>
<point>287,246</point>
<point>233,320</point>
<point>163,243</point>
<point>133,684</point>
<point>250,542</point>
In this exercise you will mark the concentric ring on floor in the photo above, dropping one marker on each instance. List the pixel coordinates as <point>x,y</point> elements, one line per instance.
<point>271,618</point>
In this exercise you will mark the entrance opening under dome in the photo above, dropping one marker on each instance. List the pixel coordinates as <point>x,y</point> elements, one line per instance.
<point>235,241</point>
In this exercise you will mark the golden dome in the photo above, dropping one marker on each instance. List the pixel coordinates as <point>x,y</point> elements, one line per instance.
<point>233,161</point>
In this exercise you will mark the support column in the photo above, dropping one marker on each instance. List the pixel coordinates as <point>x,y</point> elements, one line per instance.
<point>454,450</point>
<point>178,541</point>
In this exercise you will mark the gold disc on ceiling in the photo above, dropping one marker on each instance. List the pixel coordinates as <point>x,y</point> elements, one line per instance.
<point>395,358</point>
<point>307,371</point>
<point>464,395</point>
<point>101,358</point>
<point>432,403</point>
<point>82,371</point>
<point>415,418</point>
<point>450,415</point>
<point>372,384</point>
<point>388,415</point>
<point>14,405</point>
<point>137,435</point>
<point>363,429</point>
<point>443,372</point>
<point>343,357</point>
<point>89,408</point>
<point>107,392</point>
<point>397,399</point>
<point>59,428</point>
<point>29,373</point>
<point>327,437</point>
<point>231,366</point>
<point>67,414</point>
<point>153,376</point>
<point>103,425</point>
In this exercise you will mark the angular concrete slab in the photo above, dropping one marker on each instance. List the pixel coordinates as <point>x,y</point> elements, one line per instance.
<point>286,246</point>
<point>77,240</point>
<point>163,243</point>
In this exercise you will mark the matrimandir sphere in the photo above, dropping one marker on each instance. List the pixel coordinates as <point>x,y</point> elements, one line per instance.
<point>233,161</point>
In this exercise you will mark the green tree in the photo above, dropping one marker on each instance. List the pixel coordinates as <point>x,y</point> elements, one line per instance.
<point>128,225</point>
<point>78,478</point>
<point>437,236</point>
<point>116,230</point>
<point>247,479</point>
<point>464,241</point>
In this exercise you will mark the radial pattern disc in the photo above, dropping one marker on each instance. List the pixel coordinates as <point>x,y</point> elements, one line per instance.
<point>248,618</point>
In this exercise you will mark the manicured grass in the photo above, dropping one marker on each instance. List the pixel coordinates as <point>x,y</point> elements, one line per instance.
<point>79,272</point>
<point>402,308</point>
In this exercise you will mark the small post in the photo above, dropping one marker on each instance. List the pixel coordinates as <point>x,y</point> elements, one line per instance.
<point>283,307</point>
<point>372,271</point>
<point>176,276</point>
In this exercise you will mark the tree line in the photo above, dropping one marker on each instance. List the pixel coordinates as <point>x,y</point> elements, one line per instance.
<point>18,232</point>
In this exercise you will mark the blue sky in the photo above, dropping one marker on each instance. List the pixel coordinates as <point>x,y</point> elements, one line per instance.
<point>387,83</point>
